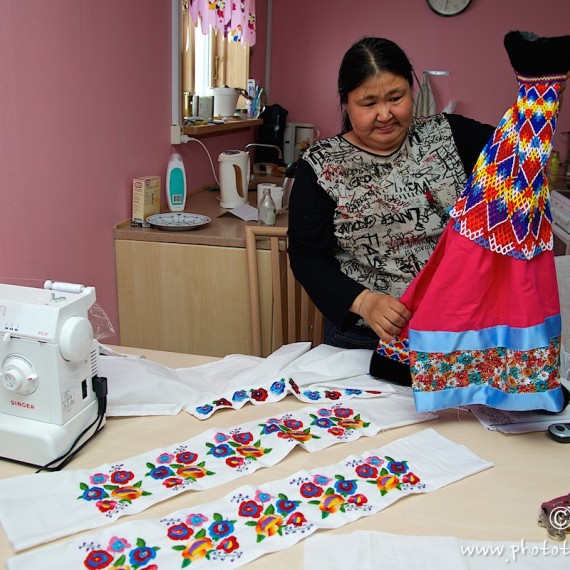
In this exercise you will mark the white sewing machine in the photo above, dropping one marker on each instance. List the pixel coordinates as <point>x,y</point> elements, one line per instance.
<point>48,358</point>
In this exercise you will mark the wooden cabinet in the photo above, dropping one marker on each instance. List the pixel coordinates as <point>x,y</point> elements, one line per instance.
<point>188,291</point>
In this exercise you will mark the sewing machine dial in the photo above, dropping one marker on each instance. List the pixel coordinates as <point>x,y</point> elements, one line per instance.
<point>19,375</point>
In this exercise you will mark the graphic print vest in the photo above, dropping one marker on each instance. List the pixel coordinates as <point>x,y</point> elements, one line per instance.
<point>390,210</point>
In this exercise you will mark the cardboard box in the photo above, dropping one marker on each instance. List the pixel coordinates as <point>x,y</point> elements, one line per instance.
<point>146,199</point>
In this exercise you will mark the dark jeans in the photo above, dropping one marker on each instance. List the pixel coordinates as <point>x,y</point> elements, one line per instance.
<point>355,337</point>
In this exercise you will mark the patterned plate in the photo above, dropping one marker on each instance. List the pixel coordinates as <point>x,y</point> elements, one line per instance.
<point>178,221</point>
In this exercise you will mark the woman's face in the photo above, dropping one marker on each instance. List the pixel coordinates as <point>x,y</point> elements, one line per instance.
<point>380,112</point>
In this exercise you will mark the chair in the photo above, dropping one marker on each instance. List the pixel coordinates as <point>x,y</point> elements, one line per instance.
<point>294,317</point>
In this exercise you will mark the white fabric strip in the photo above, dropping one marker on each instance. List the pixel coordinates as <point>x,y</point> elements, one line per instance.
<point>370,550</point>
<point>252,521</point>
<point>323,374</point>
<point>38,508</point>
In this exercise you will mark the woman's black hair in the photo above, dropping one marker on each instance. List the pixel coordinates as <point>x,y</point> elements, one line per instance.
<point>363,60</point>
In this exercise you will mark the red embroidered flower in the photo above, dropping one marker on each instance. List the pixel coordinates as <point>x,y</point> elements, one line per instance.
<point>332,394</point>
<point>228,544</point>
<point>234,461</point>
<point>297,519</point>
<point>260,394</point>
<point>106,505</point>
<point>250,509</point>
<point>122,477</point>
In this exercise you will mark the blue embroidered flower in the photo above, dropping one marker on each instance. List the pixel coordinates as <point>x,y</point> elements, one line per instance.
<point>346,487</point>
<point>94,494</point>
<point>219,529</point>
<point>323,423</point>
<point>239,396</point>
<point>312,395</point>
<point>397,467</point>
<point>277,387</point>
<point>285,506</point>
<point>161,472</point>
<point>325,412</point>
<point>270,428</point>
<point>352,392</point>
<point>222,450</point>
<point>142,555</point>
<point>206,409</point>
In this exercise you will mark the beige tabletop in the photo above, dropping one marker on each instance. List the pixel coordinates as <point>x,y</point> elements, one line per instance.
<point>501,503</point>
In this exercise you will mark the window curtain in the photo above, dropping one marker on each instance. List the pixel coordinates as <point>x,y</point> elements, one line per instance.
<point>234,18</point>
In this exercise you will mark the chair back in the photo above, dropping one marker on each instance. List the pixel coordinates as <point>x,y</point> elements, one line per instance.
<point>294,317</point>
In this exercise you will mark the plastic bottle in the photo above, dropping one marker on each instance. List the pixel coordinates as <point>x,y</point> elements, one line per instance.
<point>266,210</point>
<point>176,184</point>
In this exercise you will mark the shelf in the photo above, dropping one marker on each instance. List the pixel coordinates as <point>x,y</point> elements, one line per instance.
<point>201,130</point>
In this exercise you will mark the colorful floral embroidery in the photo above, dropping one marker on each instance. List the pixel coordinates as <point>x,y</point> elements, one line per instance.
<point>112,492</point>
<point>275,392</point>
<point>118,556</point>
<point>251,521</point>
<point>508,370</point>
<point>275,516</point>
<point>184,467</point>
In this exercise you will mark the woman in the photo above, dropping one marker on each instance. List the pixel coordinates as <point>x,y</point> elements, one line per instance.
<point>368,205</point>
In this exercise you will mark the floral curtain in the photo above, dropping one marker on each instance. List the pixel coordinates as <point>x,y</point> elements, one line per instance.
<point>234,18</point>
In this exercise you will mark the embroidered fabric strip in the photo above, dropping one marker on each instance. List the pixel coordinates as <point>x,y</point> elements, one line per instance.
<point>252,521</point>
<point>324,374</point>
<point>42,507</point>
<point>364,550</point>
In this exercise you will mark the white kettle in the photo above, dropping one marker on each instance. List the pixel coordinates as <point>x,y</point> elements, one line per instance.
<point>234,178</point>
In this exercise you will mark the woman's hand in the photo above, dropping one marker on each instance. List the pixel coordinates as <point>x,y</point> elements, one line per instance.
<point>385,315</point>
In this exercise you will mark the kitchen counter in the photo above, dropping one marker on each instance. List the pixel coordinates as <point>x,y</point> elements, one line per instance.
<point>187,291</point>
<point>225,229</point>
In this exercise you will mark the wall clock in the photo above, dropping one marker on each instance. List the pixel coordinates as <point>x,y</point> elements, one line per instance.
<point>448,7</point>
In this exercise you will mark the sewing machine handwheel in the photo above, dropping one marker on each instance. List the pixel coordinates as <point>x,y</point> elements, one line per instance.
<point>75,339</point>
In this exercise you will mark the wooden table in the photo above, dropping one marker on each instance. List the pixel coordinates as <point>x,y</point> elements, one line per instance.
<point>501,503</point>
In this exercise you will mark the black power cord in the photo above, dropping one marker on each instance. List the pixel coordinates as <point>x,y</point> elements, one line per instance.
<point>99,384</point>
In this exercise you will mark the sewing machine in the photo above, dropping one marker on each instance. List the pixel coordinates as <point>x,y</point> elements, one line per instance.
<point>48,359</point>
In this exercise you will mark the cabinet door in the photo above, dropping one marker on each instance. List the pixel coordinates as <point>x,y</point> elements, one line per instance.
<point>187,298</point>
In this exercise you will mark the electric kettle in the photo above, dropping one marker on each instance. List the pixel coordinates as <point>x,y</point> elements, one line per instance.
<point>234,178</point>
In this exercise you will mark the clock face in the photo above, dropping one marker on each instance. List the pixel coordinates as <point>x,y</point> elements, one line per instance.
<point>448,7</point>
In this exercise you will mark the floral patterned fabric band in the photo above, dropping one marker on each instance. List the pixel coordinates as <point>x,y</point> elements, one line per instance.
<point>252,521</point>
<point>38,508</point>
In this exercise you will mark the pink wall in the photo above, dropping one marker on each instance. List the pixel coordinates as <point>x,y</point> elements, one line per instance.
<point>85,105</point>
<point>84,108</point>
<point>309,42</point>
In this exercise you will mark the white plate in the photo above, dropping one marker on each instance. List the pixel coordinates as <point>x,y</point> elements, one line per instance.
<point>178,221</point>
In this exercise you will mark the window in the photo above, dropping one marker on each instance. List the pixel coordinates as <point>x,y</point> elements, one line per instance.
<point>210,61</point>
